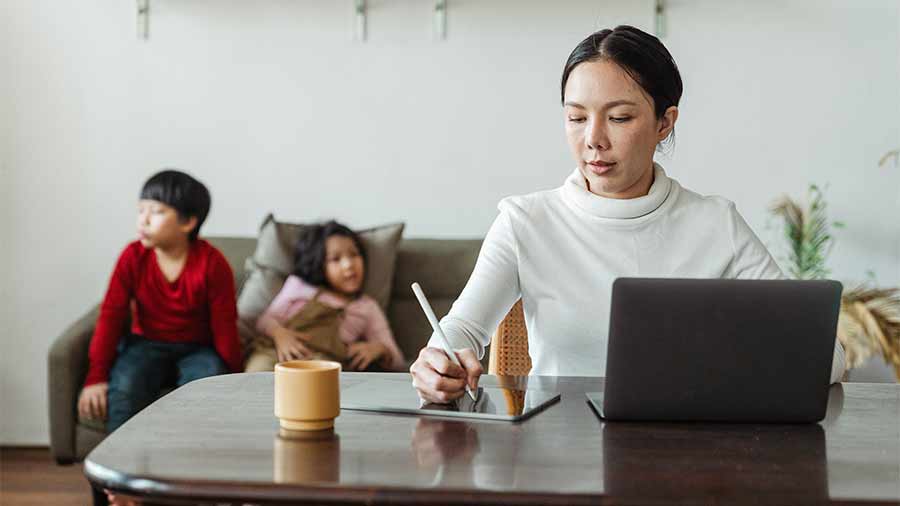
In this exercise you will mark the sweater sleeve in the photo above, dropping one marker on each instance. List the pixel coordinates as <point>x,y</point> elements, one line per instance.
<point>276,313</point>
<point>752,261</point>
<point>492,289</point>
<point>223,311</point>
<point>113,315</point>
<point>378,330</point>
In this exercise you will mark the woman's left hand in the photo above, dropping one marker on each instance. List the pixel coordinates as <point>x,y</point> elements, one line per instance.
<point>363,353</point>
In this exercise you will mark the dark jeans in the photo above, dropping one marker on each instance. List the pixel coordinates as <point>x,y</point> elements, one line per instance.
<point>144,367</point>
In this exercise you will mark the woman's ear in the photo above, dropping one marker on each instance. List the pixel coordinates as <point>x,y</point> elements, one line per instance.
<point>667,123</point>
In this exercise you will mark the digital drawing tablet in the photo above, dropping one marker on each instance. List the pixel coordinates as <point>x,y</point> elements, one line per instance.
<point>491,403</point>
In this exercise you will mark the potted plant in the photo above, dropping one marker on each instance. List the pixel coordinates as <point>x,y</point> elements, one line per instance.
<point>869,322</point>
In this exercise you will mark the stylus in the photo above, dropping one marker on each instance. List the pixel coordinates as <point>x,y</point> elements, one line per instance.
<point>437,329</point>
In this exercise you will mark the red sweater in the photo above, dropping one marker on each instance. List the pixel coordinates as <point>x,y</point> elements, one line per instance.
<point>199,307</point>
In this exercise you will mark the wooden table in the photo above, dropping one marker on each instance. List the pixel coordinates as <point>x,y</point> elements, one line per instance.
<point>216,441</point>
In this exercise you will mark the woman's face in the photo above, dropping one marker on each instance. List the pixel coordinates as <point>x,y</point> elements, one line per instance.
<point>344,268</point>
<point>612,129</point>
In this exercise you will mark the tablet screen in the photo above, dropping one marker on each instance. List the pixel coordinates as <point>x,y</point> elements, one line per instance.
<point>492,403</point>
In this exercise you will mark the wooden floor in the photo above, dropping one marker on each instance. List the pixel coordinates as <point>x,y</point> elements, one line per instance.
<point>30,477</point>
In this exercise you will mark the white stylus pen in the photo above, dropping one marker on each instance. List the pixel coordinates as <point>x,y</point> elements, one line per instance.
<point>437,330</point>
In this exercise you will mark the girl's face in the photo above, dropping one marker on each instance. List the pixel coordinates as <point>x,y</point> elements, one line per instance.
<point>344,270</point>
<point>158,225</point>
<point>612,129</point>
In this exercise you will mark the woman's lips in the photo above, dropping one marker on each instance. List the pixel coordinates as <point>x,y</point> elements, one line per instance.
<point>600,168</point>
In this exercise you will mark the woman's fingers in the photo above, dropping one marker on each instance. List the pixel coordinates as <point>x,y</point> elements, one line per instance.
<point>436,378</point>
<point>441,363</point>
<point>472,365</point>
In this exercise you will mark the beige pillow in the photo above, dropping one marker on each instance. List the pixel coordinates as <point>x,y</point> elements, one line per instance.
<point>273,261</point>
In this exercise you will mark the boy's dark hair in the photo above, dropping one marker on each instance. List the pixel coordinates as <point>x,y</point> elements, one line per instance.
<point>309,252</point>
<point>640,54</point>
<point>185,194</point>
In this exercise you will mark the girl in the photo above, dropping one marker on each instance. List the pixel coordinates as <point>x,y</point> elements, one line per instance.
<point>321,312</point>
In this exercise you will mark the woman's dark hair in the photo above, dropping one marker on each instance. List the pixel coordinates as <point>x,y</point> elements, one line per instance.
<point>185,194</point>
<point>640,54</point>
<point>309,252</point>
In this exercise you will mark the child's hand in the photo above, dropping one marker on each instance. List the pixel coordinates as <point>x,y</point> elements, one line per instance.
<point>289,345</point>
<point>363,353</point>
<point>92,401</point>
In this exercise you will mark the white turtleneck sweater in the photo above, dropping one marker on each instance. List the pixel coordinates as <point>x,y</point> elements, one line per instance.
<point>560,251</point>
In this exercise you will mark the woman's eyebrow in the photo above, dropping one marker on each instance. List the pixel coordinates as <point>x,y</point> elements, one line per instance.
<point>608,105</point>
<point>614,103</point>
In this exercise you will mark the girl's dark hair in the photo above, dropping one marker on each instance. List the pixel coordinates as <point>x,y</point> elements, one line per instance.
<point>185,194</point>
<point>640,54</point>
<point>309,252</point>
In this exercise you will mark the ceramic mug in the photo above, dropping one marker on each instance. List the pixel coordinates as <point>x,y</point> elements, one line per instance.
<point>307,394</point>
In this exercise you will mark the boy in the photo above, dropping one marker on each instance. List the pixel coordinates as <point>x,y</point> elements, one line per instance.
<point>179,292</point>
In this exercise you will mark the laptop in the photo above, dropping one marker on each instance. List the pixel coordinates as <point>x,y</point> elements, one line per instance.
<point>719,350</point>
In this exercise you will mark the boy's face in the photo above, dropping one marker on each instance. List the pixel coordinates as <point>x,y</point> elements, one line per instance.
<point>344,269</point>
<point>159,226</point>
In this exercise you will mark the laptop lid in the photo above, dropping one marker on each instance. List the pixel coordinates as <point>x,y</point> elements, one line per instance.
<point>720,349</point>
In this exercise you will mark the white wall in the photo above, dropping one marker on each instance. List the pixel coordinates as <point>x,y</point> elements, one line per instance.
<point>275,108</point>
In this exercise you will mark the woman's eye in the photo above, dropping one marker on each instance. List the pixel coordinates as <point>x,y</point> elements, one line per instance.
<point>619,119</point>
<point>575,120</point>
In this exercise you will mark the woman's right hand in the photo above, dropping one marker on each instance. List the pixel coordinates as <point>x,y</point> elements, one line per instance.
<point>438,379</point>
<point>289,345</point>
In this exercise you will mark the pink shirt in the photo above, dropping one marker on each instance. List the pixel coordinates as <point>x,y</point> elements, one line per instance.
<point>363,319</point>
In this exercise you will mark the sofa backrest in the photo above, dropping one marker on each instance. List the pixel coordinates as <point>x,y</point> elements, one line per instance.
<point>441,266</point>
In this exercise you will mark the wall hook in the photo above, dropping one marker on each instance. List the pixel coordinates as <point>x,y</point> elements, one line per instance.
<point>143,19</point>
<point>440,19</point>
<point>660,12</point>
<point>360,11</point>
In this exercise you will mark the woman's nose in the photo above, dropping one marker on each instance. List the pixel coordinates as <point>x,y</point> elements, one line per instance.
<point>595,136</point>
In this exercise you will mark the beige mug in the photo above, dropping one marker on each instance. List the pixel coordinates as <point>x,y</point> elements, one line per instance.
<point>307,394</point>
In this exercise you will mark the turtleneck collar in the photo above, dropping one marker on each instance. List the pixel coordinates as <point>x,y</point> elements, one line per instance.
<point>575,191</point>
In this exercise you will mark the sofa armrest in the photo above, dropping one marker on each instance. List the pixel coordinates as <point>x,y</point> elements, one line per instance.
<point>67,364</point>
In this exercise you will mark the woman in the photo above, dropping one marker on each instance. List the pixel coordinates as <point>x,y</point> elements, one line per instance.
<point>616,215</point>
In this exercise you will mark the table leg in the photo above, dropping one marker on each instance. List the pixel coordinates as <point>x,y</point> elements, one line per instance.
<point>99,496</point>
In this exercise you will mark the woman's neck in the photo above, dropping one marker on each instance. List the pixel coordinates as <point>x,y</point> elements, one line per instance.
<point>577,193</point>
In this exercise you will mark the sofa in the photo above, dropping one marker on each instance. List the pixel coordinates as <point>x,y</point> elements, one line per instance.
<point>442,266</point>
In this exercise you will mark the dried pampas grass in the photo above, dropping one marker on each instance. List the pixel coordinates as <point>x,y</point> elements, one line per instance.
<point>870,324</point>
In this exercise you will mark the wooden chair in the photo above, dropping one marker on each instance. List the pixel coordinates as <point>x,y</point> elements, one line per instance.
<point>509,345</point>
